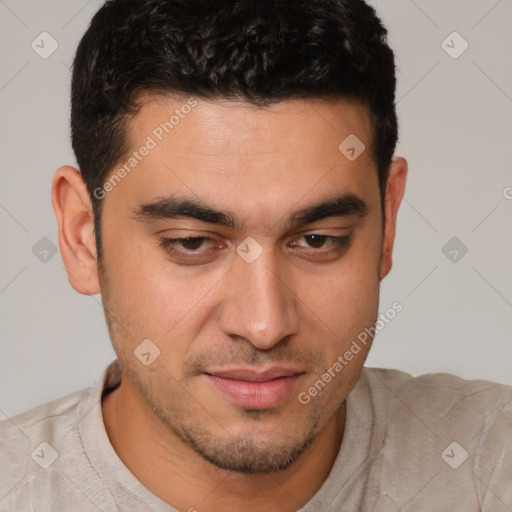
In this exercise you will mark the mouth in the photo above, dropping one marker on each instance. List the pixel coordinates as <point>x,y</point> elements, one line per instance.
<point>256,389</point>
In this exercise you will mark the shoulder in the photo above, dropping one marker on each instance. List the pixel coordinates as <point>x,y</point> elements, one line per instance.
<point>456,431</point>
<point>32,441</point>
<point>43,419</point>
<point>51,419</point>
<point>441,400</point>
<point>426,388</point>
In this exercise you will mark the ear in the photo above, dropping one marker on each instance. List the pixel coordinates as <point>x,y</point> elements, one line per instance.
<point>73,209</point>
<point>395,188</point>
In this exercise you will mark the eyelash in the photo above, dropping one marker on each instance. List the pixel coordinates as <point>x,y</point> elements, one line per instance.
<point>169,244</point>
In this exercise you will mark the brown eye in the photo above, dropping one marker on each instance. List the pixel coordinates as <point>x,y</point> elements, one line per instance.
<point>180,246</point>
<point>321,241</point>
<point>192,243</point>
<point>316,241</point>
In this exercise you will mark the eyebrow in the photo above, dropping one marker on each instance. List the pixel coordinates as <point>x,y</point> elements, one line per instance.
<point>174,207</point>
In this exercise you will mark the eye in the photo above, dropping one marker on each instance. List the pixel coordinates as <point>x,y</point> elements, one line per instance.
<point>318,241</point>
<point>200,249</point>
<point>191,243</point>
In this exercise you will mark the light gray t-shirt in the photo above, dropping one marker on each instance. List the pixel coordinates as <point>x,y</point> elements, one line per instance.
<point>429,443</point>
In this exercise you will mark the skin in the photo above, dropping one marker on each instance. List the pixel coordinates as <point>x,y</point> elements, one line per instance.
<point>300,303</point>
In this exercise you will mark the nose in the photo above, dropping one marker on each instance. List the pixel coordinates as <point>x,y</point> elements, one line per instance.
<point>260,305</point>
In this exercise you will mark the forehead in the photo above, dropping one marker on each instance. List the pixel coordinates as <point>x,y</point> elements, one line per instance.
<point>224,127</point>
<point>226,152</point>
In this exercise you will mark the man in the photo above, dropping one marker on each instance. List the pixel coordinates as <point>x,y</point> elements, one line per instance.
<point>235,205</point>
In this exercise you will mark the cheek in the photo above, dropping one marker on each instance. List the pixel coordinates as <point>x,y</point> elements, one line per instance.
<point>345,296</point>
<point>151,296</point>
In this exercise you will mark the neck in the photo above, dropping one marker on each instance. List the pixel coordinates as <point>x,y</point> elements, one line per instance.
<point>178,476</point>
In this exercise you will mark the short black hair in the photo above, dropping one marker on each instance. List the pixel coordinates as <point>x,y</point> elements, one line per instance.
<point>257,51</point>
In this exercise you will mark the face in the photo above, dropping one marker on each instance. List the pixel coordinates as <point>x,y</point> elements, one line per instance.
<point>246,247</point>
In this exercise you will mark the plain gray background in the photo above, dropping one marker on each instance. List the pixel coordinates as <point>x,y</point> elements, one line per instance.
<point>455,131</point>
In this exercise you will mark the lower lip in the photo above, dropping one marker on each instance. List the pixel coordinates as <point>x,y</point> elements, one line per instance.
<point>256,395</point>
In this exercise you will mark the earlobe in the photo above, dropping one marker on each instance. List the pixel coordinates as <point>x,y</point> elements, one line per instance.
<point>75,219</point>
<point>395,189</point>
